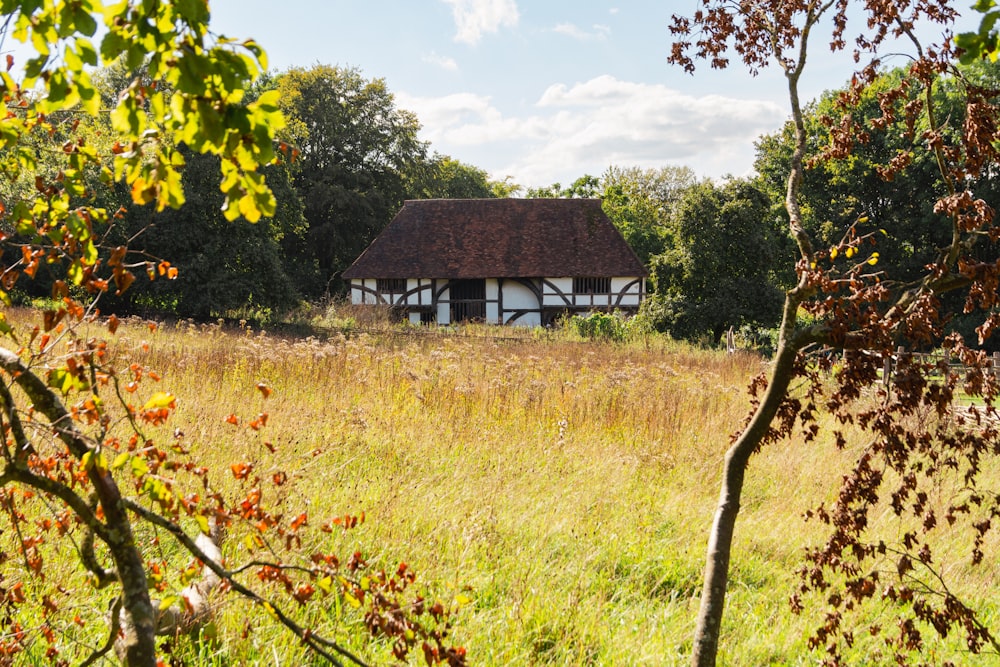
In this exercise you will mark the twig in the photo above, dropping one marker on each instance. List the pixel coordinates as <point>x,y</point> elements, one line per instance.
<point>116,609</point>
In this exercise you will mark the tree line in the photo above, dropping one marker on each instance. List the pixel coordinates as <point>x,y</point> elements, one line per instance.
<point>716,251</point>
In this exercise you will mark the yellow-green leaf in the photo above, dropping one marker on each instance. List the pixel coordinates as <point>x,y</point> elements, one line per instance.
<point>160,399</point>
<point>139,467</point>
<point>351,600</point>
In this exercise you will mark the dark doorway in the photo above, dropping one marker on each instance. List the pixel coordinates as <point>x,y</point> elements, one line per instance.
<point>468,300</point>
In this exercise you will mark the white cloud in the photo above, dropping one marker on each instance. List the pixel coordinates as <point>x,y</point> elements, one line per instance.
<point>443,62</point>
<point>475,17</point>
<point>589,126</point>
<point>600,32</point>
<point>465,119</point>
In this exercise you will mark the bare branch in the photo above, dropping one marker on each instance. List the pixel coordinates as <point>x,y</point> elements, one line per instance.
<point>115,622</point>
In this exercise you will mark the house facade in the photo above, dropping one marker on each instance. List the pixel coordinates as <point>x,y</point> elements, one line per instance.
<point>501,261</point>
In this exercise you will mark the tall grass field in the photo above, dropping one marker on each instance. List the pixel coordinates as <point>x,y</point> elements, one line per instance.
<point>556,492</point>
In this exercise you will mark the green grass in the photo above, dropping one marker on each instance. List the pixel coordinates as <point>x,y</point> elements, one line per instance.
<point>567,488</point>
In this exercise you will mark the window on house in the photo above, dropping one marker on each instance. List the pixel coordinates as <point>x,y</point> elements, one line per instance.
<point>592,285</point>
<point>468,300</point>
<point>391,285</point>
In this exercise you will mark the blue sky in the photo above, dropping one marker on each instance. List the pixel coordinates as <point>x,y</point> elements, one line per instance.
<point>542,91</point>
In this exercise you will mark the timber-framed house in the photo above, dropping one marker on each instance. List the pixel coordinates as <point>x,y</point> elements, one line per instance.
<point>501,261</point>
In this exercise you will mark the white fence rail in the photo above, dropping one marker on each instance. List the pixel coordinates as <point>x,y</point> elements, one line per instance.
<point>889,367</point>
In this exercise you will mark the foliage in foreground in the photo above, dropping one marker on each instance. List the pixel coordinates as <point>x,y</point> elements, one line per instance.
<point>90,469</point>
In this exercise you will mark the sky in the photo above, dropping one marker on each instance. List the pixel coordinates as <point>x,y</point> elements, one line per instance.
<point>540,91</point>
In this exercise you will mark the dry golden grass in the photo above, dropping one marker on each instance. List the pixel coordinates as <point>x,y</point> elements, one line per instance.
<point>567,488</point>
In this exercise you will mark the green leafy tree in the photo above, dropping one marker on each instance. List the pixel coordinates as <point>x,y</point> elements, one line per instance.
<point>356,156</point>
<point>585,187</point>
<point>505,187</point>
<point>716,271</point>
<point>984,43</point>
<point>86,465</point>
<point>442,177</point>
<point>838,195</point>
<point>217,267</point>
<point>869,193</point>
<point>223,268</point>
<point>640,201</point>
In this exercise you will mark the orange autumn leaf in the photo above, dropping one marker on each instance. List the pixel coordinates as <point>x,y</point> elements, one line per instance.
<point>241,470</point>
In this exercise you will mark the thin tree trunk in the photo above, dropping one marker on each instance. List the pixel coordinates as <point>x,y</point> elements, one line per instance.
<point>713,595</point>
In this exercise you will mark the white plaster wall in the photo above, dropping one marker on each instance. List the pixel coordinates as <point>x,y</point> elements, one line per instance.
<point>550,298</point>
<point>526,320</point>
<point>518,297</point>
<point>515,297</point>
<point>492,294</point>
<point>492,313</point>
<point>366,297</point>
<point>420,297</point>
<point>634,293</point>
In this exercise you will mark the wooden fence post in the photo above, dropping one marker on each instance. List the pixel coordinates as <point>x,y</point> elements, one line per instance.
<point>890,365</point>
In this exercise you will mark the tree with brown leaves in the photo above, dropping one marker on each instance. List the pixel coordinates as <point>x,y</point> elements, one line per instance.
<point>914,438</point>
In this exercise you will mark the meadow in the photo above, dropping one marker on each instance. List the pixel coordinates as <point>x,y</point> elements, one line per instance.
<point>557,492</point>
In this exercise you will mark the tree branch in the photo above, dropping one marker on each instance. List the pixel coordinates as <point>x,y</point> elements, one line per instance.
<point>22,445</point>
<point>116,610</point>
<point>315,642</point>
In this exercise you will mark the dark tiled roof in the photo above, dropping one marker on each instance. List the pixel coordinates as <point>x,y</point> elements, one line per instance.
<point>498,238</point>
